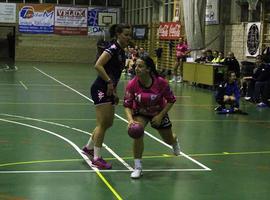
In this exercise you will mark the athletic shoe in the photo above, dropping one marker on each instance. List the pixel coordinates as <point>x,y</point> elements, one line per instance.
<point>172,80</point>
<point>219,108</point>
<point>88,152</point>
<point>179,79</point>
<point>137,173</point>
<point>247,98</point>
<point>262,105</point>
<point>101,164</point>
<point>176,148</point>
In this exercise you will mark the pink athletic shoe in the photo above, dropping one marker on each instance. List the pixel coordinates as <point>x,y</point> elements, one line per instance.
<point>101,164</point>
<point>88,152</point>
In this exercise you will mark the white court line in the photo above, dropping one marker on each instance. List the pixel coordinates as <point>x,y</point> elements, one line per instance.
<point>78,130</point>
<point>86,159</point>
<point>153,137</point>
<point>24,86</point>
<point>91,171</point>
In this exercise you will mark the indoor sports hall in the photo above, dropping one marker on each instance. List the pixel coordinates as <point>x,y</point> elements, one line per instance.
<point>46,116</point>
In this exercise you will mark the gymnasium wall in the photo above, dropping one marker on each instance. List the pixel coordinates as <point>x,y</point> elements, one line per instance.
<point>55,48</point>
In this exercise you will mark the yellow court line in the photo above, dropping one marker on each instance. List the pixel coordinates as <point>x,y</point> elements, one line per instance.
<point>144,157</point>
<point>109,185</point>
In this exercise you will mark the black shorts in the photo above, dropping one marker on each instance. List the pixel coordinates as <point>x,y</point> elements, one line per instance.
<point>184,59</point>
<point>99,96</point>
<point>165,122</point>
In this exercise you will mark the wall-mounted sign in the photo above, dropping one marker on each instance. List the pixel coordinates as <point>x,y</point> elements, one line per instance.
<point>212,12</point>
<point>7,12</point>
<point>169,30</point>
<point>253,39</point>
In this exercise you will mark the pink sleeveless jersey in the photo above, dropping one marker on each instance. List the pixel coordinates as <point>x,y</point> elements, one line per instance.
<point>181,49</point>
<point>148,101</point>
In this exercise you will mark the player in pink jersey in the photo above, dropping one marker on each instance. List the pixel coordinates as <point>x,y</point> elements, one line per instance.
<point>181,55</point>
<point>148,98</point>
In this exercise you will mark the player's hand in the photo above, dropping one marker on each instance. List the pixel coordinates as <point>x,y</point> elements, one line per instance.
<point>110,89</point>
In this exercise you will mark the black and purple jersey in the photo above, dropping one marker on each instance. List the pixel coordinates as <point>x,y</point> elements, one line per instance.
<point>115,65</point>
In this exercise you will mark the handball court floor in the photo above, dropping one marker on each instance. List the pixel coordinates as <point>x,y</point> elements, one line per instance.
<point>46,116</point>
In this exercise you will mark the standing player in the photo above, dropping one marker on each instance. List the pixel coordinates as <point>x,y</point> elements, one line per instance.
<point>148,98</point>
<point>109,67</point>
<point>181,54</point>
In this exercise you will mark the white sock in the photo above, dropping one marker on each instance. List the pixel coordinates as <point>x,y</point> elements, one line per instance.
<point>137,163</point>
<point>90,144</point>
<point>97,151</point>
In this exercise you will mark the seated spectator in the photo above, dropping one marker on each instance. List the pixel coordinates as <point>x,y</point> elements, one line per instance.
<point>221,57</point>
<point>142,52</point>
<point>202,58</point>
<point>209,55</point>
<point>232,63</point>
<point>228,93</point>
<point>216,58</point>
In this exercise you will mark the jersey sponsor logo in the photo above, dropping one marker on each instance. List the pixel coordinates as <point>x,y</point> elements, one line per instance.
<point>100,95</point>
<point>113,46</point>
<point>153,97</point>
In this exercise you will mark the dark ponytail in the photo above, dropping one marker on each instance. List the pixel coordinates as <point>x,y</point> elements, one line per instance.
<point>148,61</point>
<point>117,28</point>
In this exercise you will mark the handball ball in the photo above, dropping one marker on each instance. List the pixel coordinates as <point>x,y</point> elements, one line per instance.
<point>135,130</point>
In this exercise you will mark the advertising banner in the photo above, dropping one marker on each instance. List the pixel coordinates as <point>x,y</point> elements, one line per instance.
<point>169,30</point>
<point>70,20</point>
<point>253,39</point>
<point>7,13</point>
<point>36,18</point>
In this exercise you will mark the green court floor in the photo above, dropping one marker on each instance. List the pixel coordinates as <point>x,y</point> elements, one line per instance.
<point>46,116</point>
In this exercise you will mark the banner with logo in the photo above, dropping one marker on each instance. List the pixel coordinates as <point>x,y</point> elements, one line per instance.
<point>253,39</point>
<point>212,12</point>
<point>70,20</point>
<point>36,18</point>
<point>7,12</point>
<point>169,30</point>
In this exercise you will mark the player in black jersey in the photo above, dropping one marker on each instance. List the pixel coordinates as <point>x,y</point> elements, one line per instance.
<point>109,67</point>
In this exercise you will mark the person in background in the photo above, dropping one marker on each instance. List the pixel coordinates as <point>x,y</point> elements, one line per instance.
<point>228,93</point>
<point>216,58</point>
<point>232,64</point>
<point>202,58</point>
<point>142,52</point>
<point>109,67</point>
<point>148,98</point>
<point>221,58</point>
<point>209,56</point>
<point>181,55</point>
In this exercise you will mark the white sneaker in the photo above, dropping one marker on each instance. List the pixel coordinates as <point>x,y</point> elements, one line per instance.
<point>172,80</point>
<point>137,173</point>
<point>247,98</point>
<point>179,79</point>
<point>176,148</point>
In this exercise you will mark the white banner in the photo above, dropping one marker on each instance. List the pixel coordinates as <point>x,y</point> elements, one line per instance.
<point>7,13</point>
<point>70,17</point>
<point>253,39</point>
<point>212,12</point>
